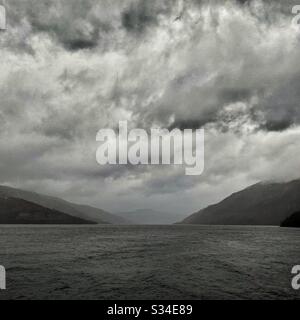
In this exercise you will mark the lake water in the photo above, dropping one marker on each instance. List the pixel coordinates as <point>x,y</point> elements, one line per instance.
<point>151,262</point>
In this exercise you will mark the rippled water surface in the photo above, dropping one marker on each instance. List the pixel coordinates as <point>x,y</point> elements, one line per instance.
<point>167,262</point>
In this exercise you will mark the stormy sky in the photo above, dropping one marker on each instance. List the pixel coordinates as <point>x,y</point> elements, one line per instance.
<point>71,67</point>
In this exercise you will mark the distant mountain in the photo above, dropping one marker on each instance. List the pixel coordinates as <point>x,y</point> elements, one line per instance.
<point>260,204</point>
<point>292,222</point>
<point>97,215</point>
<point>18,211</point>
<point>75,210</point>
<point>150,217</point>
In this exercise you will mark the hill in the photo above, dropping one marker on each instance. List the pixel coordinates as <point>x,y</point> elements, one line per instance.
<point>260,204</point>
<point>79,211</point>
<point>292,222</point>
<point>19,211</point>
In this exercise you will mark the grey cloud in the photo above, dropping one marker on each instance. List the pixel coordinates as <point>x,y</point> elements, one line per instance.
<point>142,14</point>
<point>282,107</point>
<point>69,68</point>
<point>139,16</point>
<point>75,24</point>
<point>192,101</point>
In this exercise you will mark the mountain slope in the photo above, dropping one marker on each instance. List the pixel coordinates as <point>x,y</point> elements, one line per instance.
<point>292,221</point>
<point>94,214</point>
<point>19,211</point>
<point>75,210</point>
<point>150,217</point>
<point>260,204</point>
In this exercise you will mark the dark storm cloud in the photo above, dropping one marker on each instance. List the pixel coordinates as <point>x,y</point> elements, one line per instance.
<point>143,14</point>
<point>198,97</point>
<point>69,68</point>
<point>232,95</point>
<point>189,124</point>
<point>75,24</point>
<point>71,40</point>
<point>139,16</point>
<point>282,106</point>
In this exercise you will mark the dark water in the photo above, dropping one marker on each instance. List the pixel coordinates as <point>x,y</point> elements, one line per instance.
<point>169,262</point>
